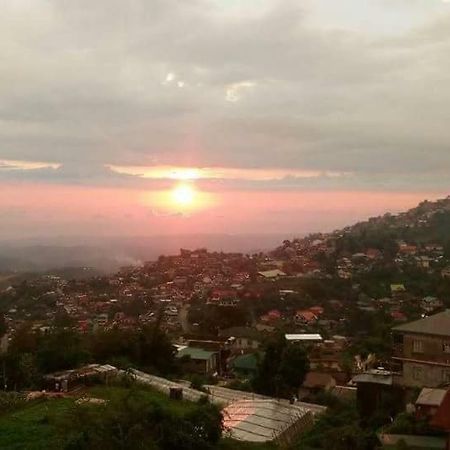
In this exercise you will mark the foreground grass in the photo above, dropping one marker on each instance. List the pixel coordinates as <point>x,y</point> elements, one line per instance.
<point>109,392</point>
<point>230,444</point>
<point>35,426</point>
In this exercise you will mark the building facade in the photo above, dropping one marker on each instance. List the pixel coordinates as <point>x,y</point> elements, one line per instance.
<point>422,351</point>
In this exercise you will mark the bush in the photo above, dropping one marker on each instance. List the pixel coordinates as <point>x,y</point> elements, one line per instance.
<point>10,401</point>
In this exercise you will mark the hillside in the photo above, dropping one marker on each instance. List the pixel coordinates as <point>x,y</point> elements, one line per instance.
<point>426,224</point>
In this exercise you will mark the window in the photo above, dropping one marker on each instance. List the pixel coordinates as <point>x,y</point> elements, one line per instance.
<point>417,373</point>
<point>417,346</point>
<point>446,348</point>
<point>446,376</point>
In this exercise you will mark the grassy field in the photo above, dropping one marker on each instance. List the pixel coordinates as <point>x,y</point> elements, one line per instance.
<point>35,426</point>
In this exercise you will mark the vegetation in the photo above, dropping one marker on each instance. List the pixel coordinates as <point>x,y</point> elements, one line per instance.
<point>282,369</point>
<point>131,421</point>
<point>338,429</point>
<point>138,418</point>
<point>32,354</point>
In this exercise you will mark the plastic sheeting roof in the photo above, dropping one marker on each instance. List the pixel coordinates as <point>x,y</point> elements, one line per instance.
<point>262,420</point>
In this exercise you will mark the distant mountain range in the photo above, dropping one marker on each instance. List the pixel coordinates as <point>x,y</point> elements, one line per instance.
<point>108,254</point>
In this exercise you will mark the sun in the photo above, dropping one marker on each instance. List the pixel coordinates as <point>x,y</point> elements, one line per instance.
<point>183,198</point>
<point>183,195</point>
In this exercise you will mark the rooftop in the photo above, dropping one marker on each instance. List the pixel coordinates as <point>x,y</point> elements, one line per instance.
<point>195,353</point>
<point>376,376</point>
<point>272,273</point>
<point>303,337</point>
<point>431,397</point>
<point>263,420</point>
<point>437,325</point>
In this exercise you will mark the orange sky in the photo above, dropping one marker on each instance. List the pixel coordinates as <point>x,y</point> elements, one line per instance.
<point>42,210</point>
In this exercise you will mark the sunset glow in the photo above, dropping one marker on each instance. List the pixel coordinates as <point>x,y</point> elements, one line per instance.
<point>183,195</point>
<point>115,129</point>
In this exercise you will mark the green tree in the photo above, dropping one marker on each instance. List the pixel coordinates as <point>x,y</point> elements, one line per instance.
<point>293,367</point>
<point>282,369</point>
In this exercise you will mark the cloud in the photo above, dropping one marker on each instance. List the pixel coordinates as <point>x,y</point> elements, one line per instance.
<point>6,164</point>
<point>218,173</point>
<point>235,91</point>
<point>269,91</point>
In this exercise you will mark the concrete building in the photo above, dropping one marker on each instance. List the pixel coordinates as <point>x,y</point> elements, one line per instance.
<point>422,351</point>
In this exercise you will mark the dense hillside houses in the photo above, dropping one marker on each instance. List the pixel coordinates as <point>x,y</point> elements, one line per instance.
<point>367,306</point>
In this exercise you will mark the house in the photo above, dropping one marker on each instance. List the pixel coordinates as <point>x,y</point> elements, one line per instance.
<point>422,351</point>
<point>197,360</point>
<point>423,262</point>
<point>397,289</point>
<point>247,364</point>
<point>70,379</point>
<point>316,382</point>
<point>406,249</point>
<point>433,405</point>
<point>376,388</point>
<point>398,316</point>
<point>303,337</point>
<point>327,356</point>
<point>430,304</point>
<point>243,338</point>
<point>272,274</point>
<point>305,317</point>
<point>272,316</point>
<point>373,253</point>
<point>223,297</point>
<point>317,310</point>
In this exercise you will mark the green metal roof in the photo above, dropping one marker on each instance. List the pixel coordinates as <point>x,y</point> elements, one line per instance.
<point>195,353</point>
<point>246,362</point>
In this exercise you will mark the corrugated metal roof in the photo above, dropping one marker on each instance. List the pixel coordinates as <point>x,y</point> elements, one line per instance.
<point>303,337</point>
<point>272,273</point>
<point>263,420</point>
<point>225,396</point>
<point>431,397</point>
<point>437,325</point>
<point>374,376</point>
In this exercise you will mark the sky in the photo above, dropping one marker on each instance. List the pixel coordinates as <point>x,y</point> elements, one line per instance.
<point>152,117</point>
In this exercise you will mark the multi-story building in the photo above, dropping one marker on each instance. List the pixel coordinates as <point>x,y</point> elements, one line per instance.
<point>422,351</point>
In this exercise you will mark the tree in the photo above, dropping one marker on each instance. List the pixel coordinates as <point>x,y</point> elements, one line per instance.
<point>61,349</point>
<point>283,368</point>
<point>293,367</point>
<point>265,381</point>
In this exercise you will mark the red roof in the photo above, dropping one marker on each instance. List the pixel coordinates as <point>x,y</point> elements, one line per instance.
<point>306,315</point>
<point>397,315</point>
<point>274,314</point>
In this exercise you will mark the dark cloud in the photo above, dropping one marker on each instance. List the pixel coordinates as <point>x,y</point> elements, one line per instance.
<point>275,84</point>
